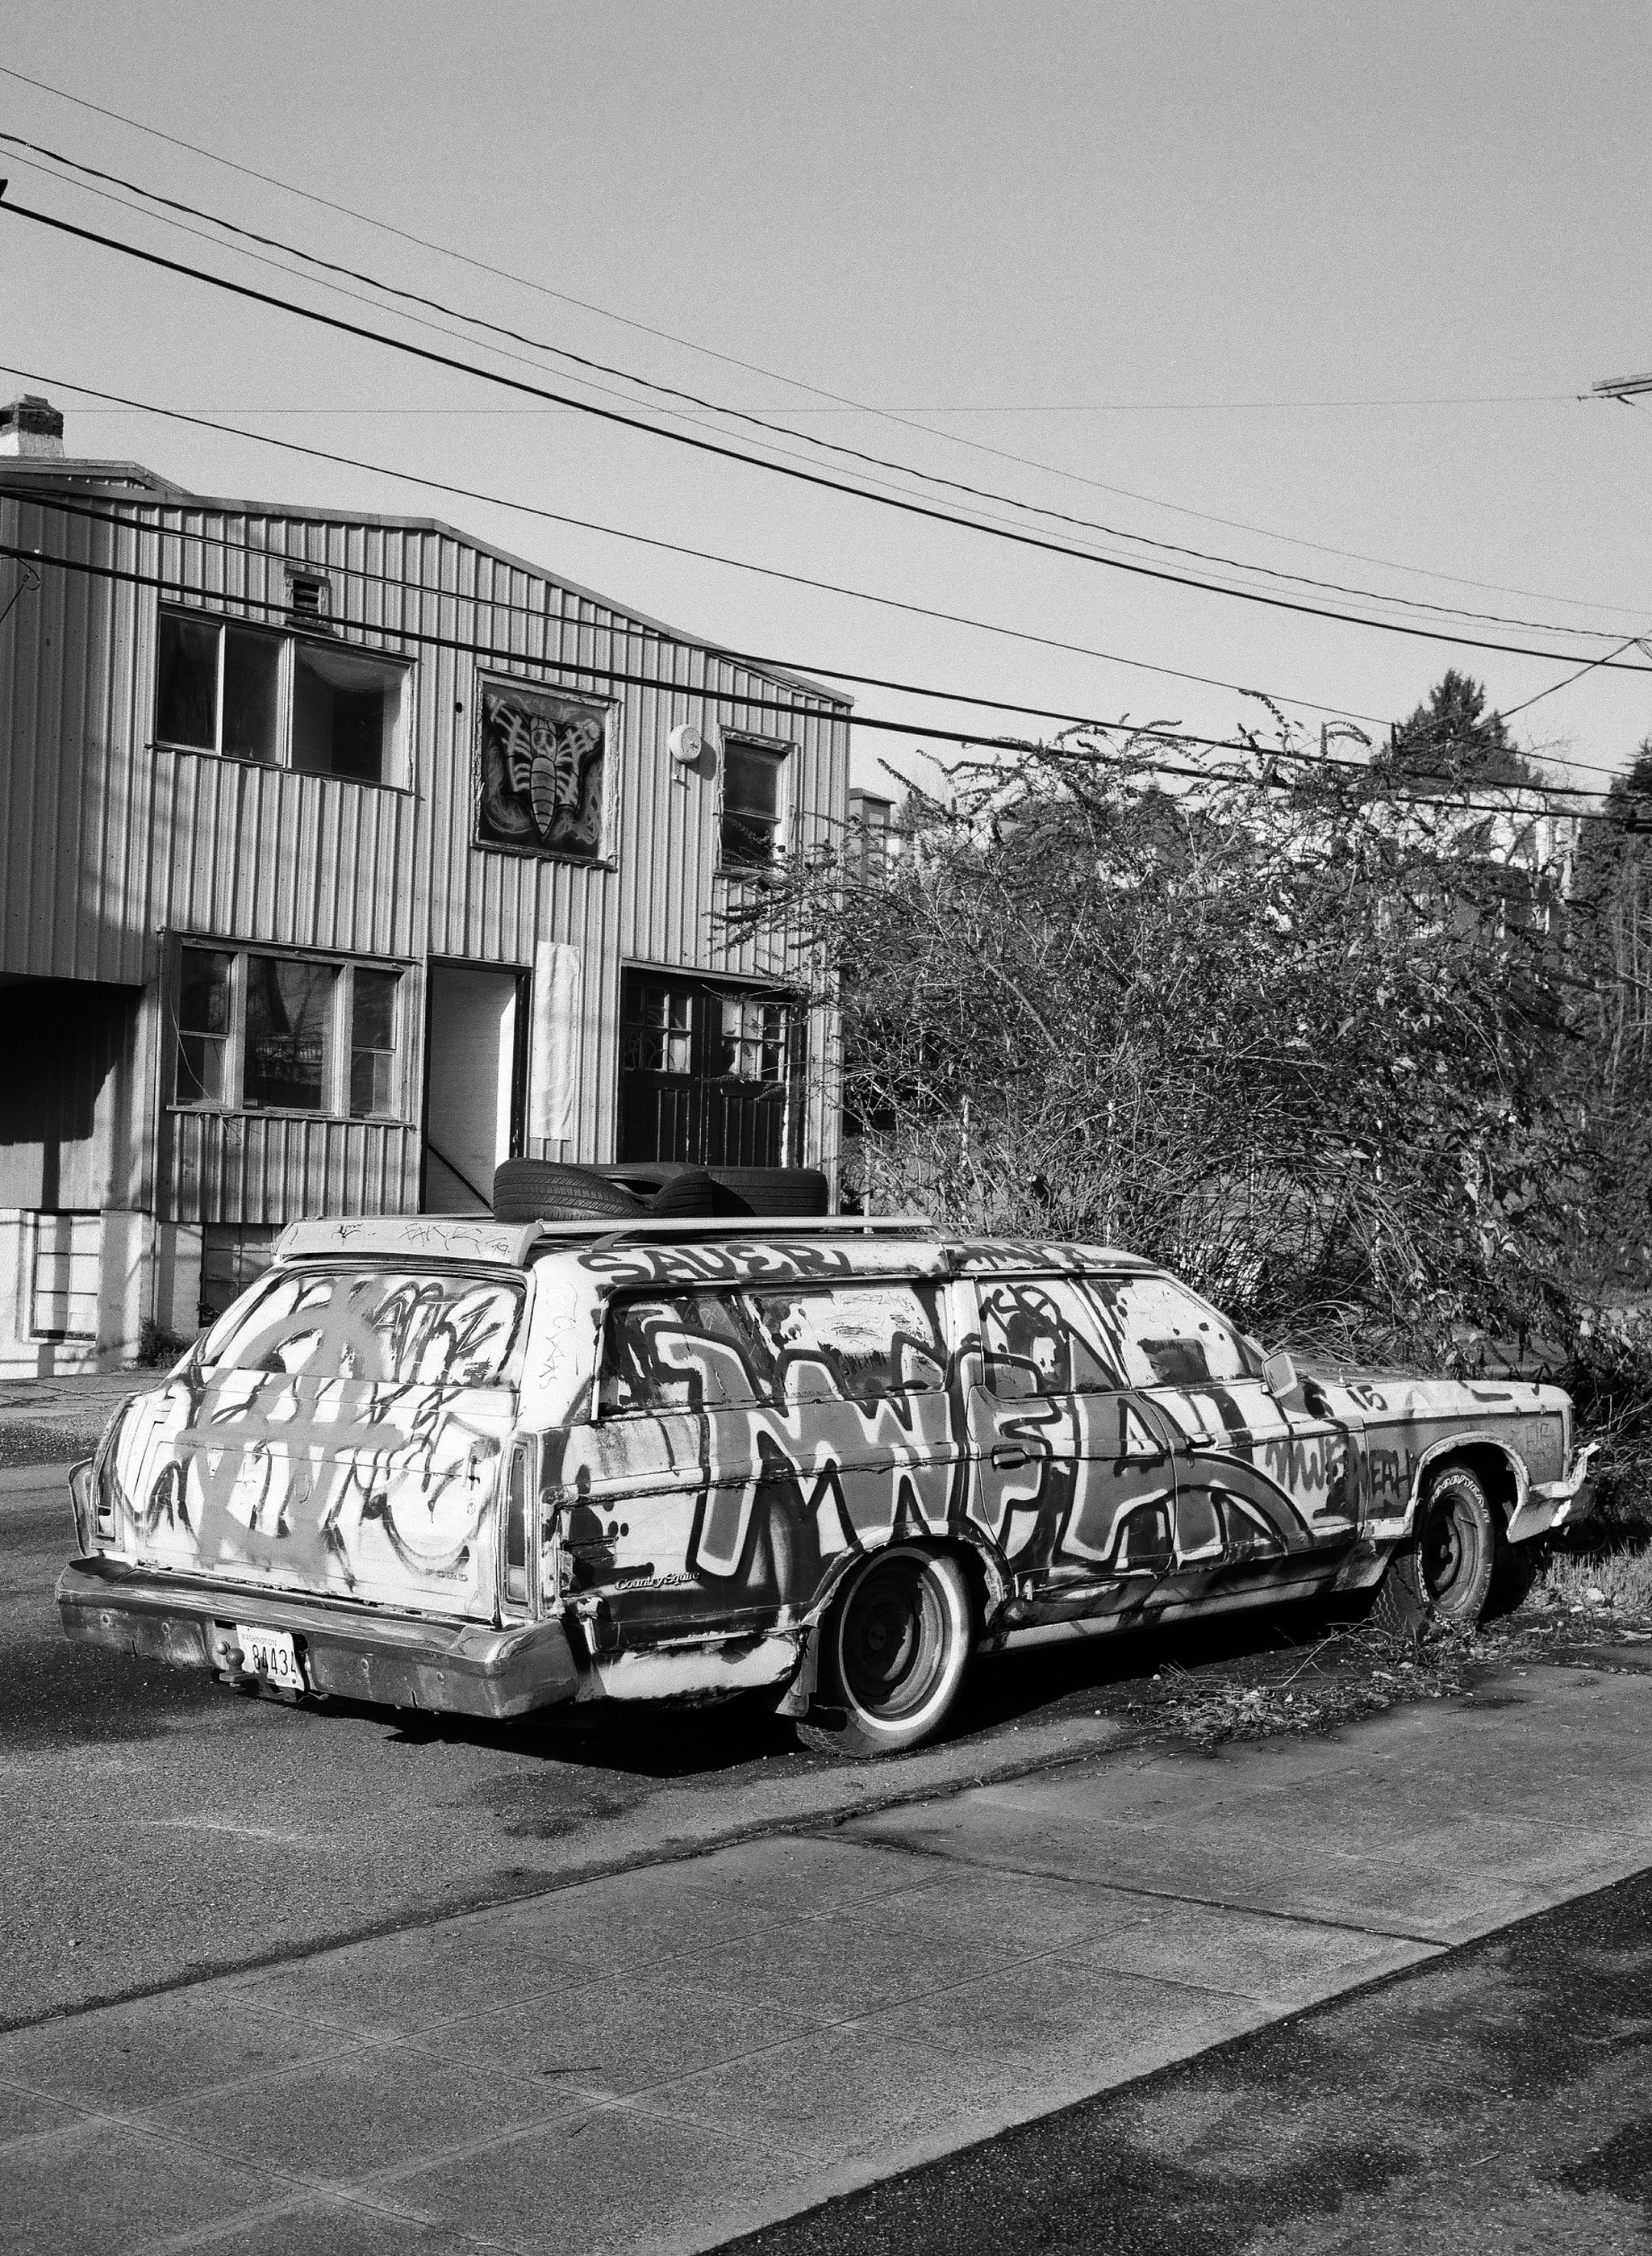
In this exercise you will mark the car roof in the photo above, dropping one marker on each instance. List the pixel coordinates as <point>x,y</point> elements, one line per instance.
<point>694,1252</point>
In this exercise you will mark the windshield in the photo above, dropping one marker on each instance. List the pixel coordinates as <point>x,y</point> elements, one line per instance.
<point>427,1327</point>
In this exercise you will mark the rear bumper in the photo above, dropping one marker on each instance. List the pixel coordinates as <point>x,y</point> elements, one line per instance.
<point>466,1668</point>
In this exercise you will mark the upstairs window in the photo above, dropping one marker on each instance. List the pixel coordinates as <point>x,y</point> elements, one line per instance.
<point>283,700</point>
<point>346,713</point>
<point>752,808</point>
<point>218,687</point>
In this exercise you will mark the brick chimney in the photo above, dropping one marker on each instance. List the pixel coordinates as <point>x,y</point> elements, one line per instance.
<point>31,426</point>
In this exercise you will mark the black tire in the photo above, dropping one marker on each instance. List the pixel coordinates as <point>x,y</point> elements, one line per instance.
<point>1444,1573</point>
<point>690,1194</point>
<point>544,1190</point>
<point>802,1192</point>
<point>895,1650</point>
<point>799,1191</point>
<point>1515,1573</point>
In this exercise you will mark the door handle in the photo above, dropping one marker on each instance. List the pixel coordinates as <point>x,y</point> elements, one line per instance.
<point>1006,1457</point>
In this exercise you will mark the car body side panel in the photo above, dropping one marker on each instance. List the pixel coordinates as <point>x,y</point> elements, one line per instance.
<point>1411,1423</point>
<point>689,1519</point>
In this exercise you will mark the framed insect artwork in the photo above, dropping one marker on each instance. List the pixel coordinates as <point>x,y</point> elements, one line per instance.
<point>541,777</point>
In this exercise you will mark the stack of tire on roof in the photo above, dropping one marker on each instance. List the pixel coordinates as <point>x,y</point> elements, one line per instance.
<point>546,1190</point>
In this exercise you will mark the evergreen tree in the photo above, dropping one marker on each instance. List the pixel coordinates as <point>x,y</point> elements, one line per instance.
<point>1450,743</point>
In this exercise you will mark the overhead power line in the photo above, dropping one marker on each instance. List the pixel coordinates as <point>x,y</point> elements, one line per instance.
<point>906,504</point>
<point>682,548</point>
<point>904,418</point>
<point>593,670</point>
<point>75,507</point>
<point>764,423</point>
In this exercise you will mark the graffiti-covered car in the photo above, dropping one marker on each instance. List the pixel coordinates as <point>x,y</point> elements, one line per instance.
<point>460,1465</point>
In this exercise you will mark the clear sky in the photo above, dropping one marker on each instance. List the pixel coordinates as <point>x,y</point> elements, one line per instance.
<point>1333,275</point>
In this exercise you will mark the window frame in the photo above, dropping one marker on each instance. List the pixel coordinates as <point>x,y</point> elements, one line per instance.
<point>780,752</point>
<point>288,634</point>
<point>340,1049</point>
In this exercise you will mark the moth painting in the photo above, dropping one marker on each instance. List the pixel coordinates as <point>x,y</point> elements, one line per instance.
<point>542,764</point>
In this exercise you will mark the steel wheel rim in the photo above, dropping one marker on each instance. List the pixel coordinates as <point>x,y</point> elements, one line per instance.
<point>892,1643</point>
<point>1450,1551</point>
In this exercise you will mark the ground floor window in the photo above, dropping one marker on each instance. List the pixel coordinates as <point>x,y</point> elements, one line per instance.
<point>709,1072</point>
<point>232,1256</point>
<point>260,1030</point>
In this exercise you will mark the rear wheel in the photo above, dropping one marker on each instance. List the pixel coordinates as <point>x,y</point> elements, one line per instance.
<point>894,1653</point>
<point>1444,1573</point>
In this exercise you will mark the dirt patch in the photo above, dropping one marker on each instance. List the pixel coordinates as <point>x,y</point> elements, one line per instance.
<point>1349,1671</point>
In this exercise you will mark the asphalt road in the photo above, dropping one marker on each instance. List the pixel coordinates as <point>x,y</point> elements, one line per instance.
<point>1498,2102</point>
<point>156,1825</point>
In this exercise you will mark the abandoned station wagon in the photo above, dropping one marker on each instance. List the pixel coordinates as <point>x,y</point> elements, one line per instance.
<point>458,1464</point>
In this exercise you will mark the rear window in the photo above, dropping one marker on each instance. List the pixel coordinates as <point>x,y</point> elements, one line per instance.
<point>406,1328</point>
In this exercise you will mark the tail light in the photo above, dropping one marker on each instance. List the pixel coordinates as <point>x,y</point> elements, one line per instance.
<point>519,1522</point>
<point>83,1493</point>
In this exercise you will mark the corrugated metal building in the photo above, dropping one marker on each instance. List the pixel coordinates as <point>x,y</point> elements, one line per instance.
<point>344,856</point>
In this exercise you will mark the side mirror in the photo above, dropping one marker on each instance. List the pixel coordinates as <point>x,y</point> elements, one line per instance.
<point>1279,1373</point>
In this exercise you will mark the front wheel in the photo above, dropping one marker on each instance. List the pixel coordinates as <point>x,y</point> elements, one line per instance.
<point>1444,1573</point>
<point>894,1651</point>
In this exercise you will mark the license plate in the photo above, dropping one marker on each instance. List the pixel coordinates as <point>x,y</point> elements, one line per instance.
<point>269,1654</point>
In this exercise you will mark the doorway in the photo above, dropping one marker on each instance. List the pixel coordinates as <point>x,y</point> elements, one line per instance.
<point>709,1072</point>
<point>476,1080</point>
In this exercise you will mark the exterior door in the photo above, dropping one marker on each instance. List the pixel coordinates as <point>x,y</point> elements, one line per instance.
<point>707,1072</point>
<point>476,1083</point>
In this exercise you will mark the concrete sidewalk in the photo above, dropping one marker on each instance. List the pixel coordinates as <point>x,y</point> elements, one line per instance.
<point>665,2057</point>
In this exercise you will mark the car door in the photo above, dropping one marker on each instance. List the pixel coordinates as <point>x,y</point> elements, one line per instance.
<point>1072,1472</point>
<point>1263,1490</point>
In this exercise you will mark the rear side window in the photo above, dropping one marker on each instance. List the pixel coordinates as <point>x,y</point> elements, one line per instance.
<point>850,1343</point>
<point>858,1343</point>
<point>682,1351</point>
<point>399,1327</point>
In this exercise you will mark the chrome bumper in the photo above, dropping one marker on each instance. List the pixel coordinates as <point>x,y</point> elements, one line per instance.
<point>391,1660</point>
<point>1551,1504</point>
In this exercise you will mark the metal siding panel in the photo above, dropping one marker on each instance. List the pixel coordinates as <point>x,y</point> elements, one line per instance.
<point>248,854</point>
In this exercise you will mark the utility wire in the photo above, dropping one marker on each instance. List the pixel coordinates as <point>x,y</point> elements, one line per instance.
<point>62,505</point>
<point>752,368</point>
<point>73,507</point>
<point>816,478</point>
<point>759,422</point>
<point>1634,642</point>
<point>1267,780</point>
<point>675,548</point>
